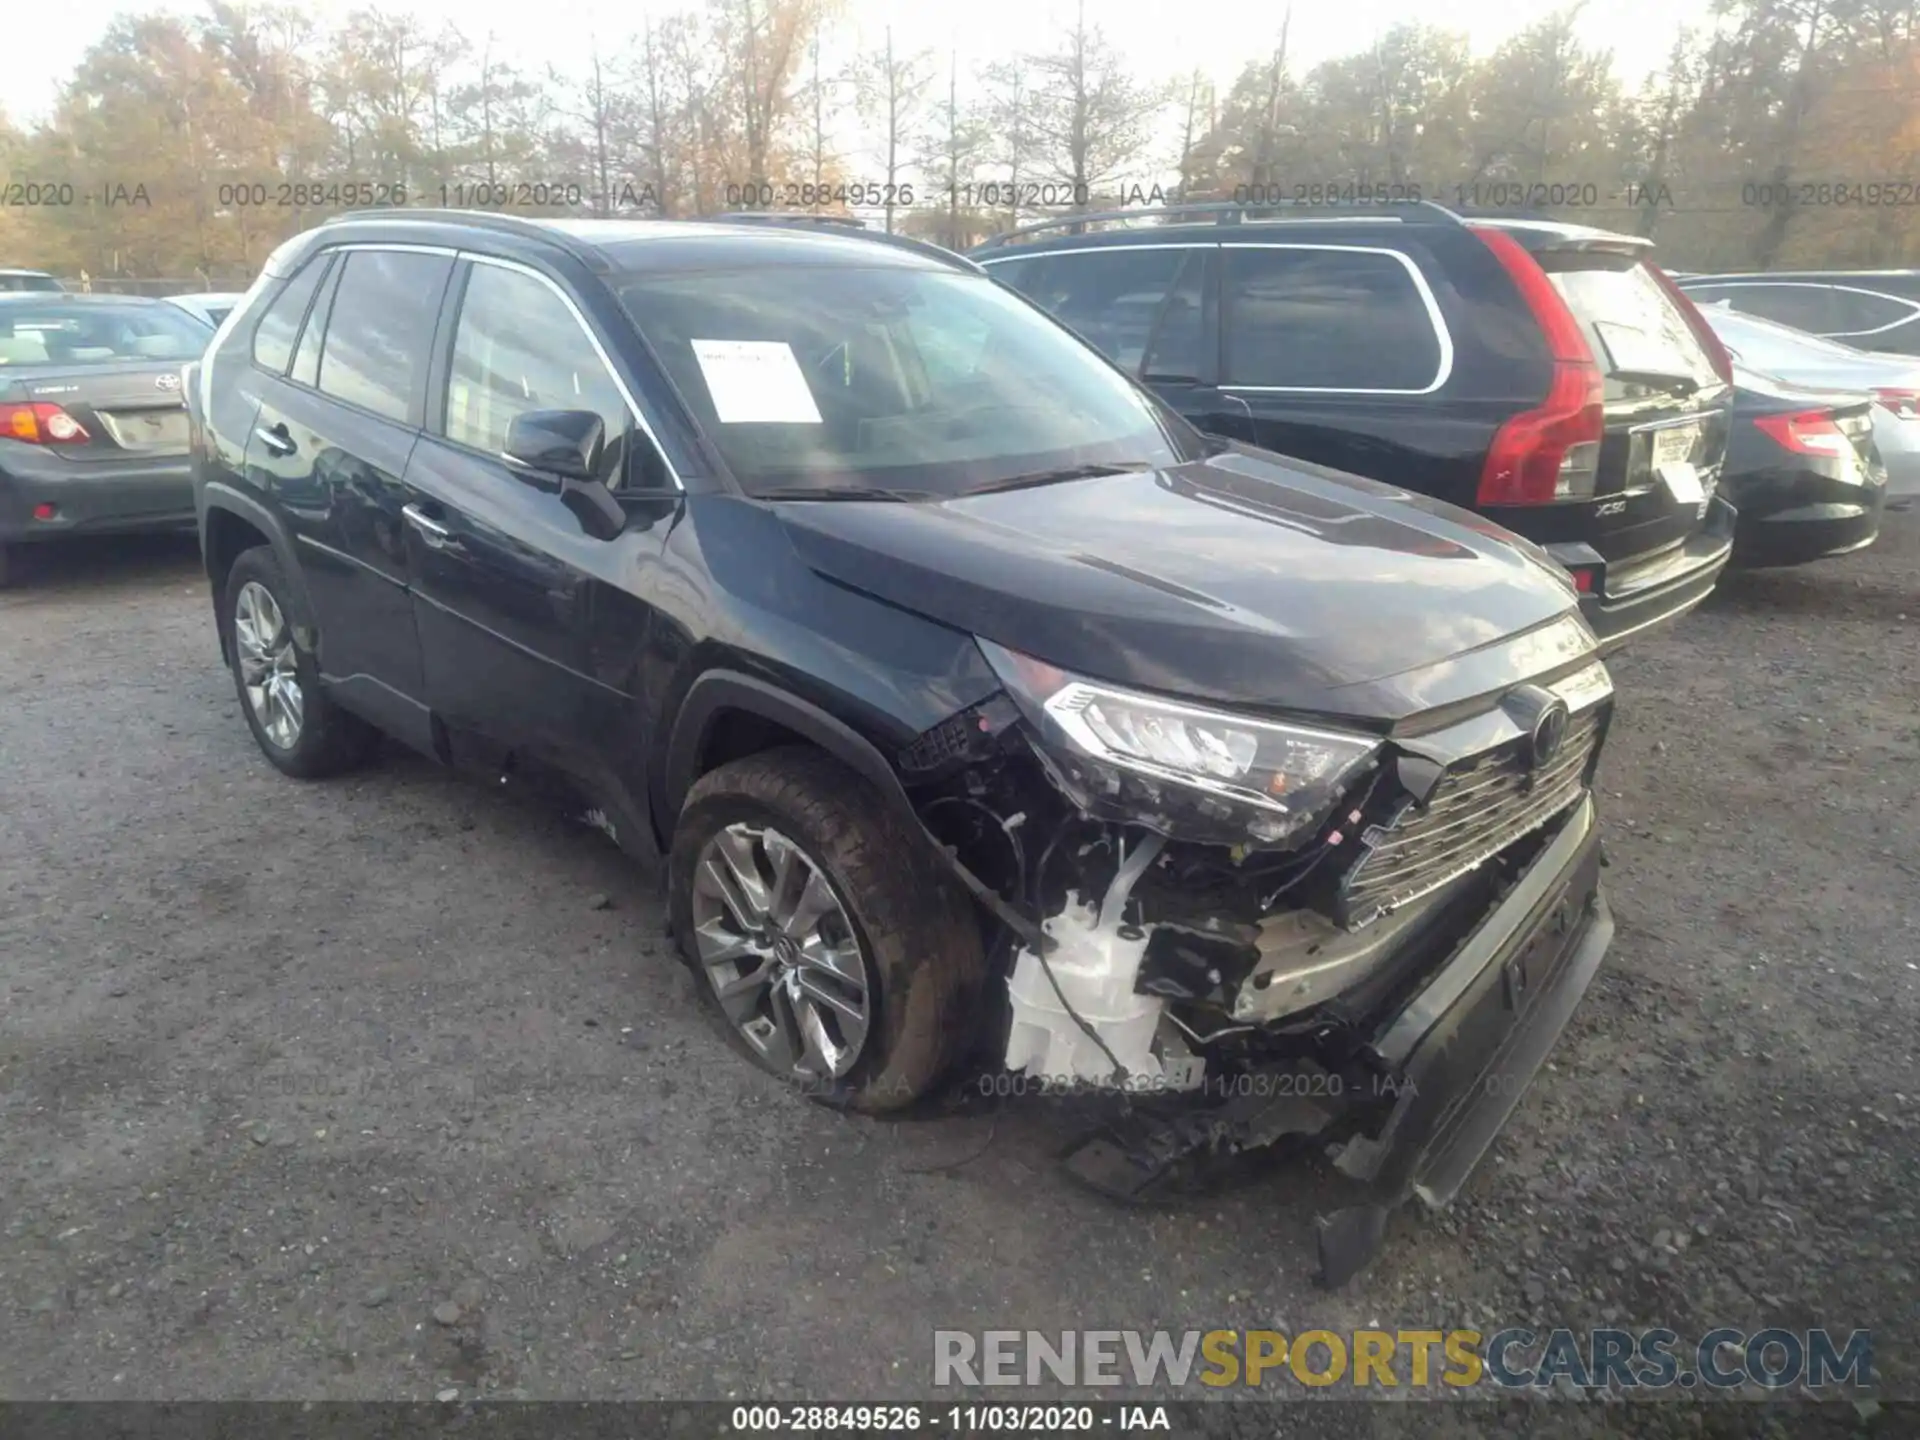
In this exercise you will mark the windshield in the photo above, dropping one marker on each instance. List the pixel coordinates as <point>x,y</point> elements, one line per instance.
<point>55,334</point>
<point>909,380</point>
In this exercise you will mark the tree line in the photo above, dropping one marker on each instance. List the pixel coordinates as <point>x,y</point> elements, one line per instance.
<point>1784,132</point>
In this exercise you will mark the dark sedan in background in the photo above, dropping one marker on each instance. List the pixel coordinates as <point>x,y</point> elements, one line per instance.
<point>1802,470</point>
<point>93,435</point>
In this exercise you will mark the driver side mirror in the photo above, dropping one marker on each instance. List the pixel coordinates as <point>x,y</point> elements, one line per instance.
<point>566,446</point>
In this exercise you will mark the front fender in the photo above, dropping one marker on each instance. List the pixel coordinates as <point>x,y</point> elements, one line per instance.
<point>716,692</point>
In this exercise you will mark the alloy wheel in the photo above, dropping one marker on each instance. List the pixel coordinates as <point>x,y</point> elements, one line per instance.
<point>780,951</point>
<point>269,671</point>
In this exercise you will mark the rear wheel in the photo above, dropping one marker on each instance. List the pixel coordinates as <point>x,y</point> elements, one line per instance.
<point>297,727</point>
<point>840,956</point>
<point>9,564</point>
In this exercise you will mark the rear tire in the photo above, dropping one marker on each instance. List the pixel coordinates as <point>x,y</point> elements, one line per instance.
<point>9,564</point>
<point>800,817</point>
<point>293,721</point>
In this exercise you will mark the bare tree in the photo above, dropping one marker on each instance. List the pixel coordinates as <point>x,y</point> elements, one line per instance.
<point>956,145</point>
<point>604,114</point>
<point>764,41</point>
<point>1266,148</point>
<point>1091,119</point>
<point>892,96</point>
<point>1199,123</point>
<point>1009,111</point>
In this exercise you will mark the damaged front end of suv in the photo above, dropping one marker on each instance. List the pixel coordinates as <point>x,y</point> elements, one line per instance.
<point>1261,928</point>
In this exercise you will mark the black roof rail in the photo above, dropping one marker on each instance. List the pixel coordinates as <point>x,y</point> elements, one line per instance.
<point>1234,212</point>
<point>526,228</point>
<point>850,224</point>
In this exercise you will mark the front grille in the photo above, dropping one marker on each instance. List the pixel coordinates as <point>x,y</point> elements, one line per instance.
<point>1477,809</point>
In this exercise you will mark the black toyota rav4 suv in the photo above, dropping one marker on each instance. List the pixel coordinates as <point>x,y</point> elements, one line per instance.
<point>1546,375</point>
<point>981,710</point>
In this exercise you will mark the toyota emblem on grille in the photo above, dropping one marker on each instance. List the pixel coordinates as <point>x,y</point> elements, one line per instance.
<point>1543,719</point>
<point>1549,732</point>
<point>166,382</point>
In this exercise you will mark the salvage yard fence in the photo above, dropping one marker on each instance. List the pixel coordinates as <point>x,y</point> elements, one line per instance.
<point>155,285</point>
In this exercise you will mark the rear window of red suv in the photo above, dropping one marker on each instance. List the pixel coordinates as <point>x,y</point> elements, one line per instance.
<point>1636,332</point>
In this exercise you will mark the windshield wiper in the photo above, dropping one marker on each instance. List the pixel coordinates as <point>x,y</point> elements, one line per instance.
<point>843,492</point>
<point>1065,472</point>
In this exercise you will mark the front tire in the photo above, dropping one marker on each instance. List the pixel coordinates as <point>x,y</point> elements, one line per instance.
<point>840,955</point>
<point>296,725</point>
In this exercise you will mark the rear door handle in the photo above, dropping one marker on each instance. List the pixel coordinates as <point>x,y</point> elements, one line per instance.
<point>275,438</point>
<point>436,535</point>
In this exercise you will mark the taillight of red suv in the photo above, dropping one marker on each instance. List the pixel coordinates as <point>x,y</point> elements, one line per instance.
<point>1551,452</point>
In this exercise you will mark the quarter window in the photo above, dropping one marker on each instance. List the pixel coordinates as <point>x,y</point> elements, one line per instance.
<point>1325,319</point>
<point>273,336</point>
<point>306,355</point>
<point>517,347</point>
<point>380,330</point>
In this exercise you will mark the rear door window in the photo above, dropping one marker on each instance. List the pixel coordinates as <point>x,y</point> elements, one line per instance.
<point>1304,317</point>
<point>1638,335</point>
<point>380,330</point>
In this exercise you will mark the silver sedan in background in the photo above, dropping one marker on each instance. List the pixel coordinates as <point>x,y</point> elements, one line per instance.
<point>1803,359</point>
<point>209,306</point>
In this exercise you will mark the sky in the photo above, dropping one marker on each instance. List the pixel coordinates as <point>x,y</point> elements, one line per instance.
<point>1169,37</point>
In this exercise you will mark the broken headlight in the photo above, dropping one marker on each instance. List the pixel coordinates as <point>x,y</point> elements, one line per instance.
<point>1200,774</point>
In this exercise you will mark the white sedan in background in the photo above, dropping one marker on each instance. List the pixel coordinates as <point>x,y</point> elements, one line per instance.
<point>211,307</point>
<point>1803,359</point>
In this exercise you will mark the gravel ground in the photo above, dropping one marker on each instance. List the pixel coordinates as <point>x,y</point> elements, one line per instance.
<point>386,1086</point>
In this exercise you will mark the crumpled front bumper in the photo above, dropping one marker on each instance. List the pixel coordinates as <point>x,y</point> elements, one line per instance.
<point>1421,1085</point>
<point>1463,1049</point>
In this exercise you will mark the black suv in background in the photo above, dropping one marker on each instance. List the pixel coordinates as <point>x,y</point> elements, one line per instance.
<point>978,706</point>
<point>1546,375</point>
<point>1867,309</point>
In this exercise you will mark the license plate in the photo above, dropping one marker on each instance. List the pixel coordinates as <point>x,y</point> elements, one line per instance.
<point>150,429</point>
<point>1683,483</point>
<point>1675,445</point>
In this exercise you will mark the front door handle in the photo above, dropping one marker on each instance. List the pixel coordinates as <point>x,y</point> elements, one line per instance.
<point>276,439</point>
<point>436,535</point>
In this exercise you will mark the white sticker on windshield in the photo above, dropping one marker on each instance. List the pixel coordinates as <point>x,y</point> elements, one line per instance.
<point>756,382</point>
